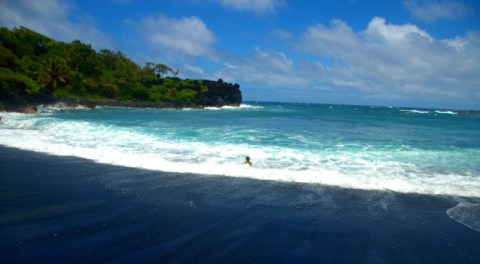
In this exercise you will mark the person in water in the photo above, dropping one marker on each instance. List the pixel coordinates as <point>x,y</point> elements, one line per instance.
<point>247,161</point>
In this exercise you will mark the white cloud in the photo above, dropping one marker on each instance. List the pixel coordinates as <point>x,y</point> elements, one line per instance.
<point>186,35</point>
<point>326,41</point>
<point>194,71</point>
<point>457,43</point>
<point>281,34</point>
<point>394,33</point>
<point>50,17</point>
<point>264,67</point>
<point>256,6</point>
<point>400,59</point>
<point>383,62</point>
<point>431,11</point>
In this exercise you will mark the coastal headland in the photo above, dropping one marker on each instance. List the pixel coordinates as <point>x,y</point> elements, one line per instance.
<point>218,94</point>
<point>36,70</point>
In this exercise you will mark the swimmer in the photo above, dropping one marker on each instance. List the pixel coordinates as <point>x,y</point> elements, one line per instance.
<point>247,161</point>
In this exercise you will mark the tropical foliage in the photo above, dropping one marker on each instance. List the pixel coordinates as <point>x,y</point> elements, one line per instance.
<point>37,67</point>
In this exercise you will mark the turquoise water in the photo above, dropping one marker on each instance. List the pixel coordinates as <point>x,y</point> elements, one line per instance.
<point>380,148</point>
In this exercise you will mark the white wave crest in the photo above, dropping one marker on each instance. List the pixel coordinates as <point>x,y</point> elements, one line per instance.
<point>413,111</point>
<point>240,107</point>
<point>445,112</point>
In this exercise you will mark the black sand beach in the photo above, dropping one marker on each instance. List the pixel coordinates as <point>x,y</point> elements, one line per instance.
<point>70,210</point>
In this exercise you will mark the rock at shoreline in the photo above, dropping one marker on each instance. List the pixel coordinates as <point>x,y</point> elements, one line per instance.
<point>19,108</point>
<point>29,109</point>
<point>219,94</point>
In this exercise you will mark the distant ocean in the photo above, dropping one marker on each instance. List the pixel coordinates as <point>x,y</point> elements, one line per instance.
<point>425,151</point>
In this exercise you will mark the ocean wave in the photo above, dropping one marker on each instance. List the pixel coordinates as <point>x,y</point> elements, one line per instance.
<point>348,168</point>
<point>334,171</point>
<point>240,107</point>
<point>445,112</point>
<point>414,111</point>
<point>209,151</point>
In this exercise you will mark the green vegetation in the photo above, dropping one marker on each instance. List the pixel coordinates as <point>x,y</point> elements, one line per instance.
<point>37,68</point>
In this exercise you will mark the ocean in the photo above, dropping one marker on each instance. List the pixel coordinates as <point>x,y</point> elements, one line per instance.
<point>328,184</point>
<point>424,151</point>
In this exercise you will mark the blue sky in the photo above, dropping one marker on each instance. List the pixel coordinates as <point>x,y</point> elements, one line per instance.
<point>417,53</point>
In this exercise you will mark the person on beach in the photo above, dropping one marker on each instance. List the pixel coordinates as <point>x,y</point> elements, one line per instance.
<point>247,161</point>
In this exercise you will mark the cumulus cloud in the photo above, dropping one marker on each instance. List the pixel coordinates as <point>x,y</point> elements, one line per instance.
<point>186,35</point>
<point>51,18</point>
<point>263,67</point>
<point>431,11</point>
<point>383,62</point>
<point>256,6</point>
<point>400,59</point>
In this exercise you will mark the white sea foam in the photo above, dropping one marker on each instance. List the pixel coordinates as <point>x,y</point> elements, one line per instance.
<point>349,166</point>
<point>247,106</point>
<point>414,111</point>
<point>466,213</point>
<point>445,112</point>
<point>240,107</point>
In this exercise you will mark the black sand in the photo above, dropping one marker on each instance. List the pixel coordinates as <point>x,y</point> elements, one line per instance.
<point>70,210</point>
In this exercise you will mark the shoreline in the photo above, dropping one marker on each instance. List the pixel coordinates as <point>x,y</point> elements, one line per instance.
<point>30,108</point>
<point>67,209</point>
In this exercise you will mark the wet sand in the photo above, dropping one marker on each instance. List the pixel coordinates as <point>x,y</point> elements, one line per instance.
<point>71,210</point>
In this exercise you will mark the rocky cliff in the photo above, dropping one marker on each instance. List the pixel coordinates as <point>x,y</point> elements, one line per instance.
<point>219,94</point>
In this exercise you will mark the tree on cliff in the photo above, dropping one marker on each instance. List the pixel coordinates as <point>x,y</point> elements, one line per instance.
<point>53,73</point>
<point>161,70</point>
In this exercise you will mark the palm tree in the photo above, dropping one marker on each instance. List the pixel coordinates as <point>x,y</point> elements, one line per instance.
<point>53,72</point>
<point>161,70</point>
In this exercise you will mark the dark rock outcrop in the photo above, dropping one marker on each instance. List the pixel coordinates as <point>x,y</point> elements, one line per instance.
<point>219,94</point>
<point>20,108</point>
<point>20,104</point>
